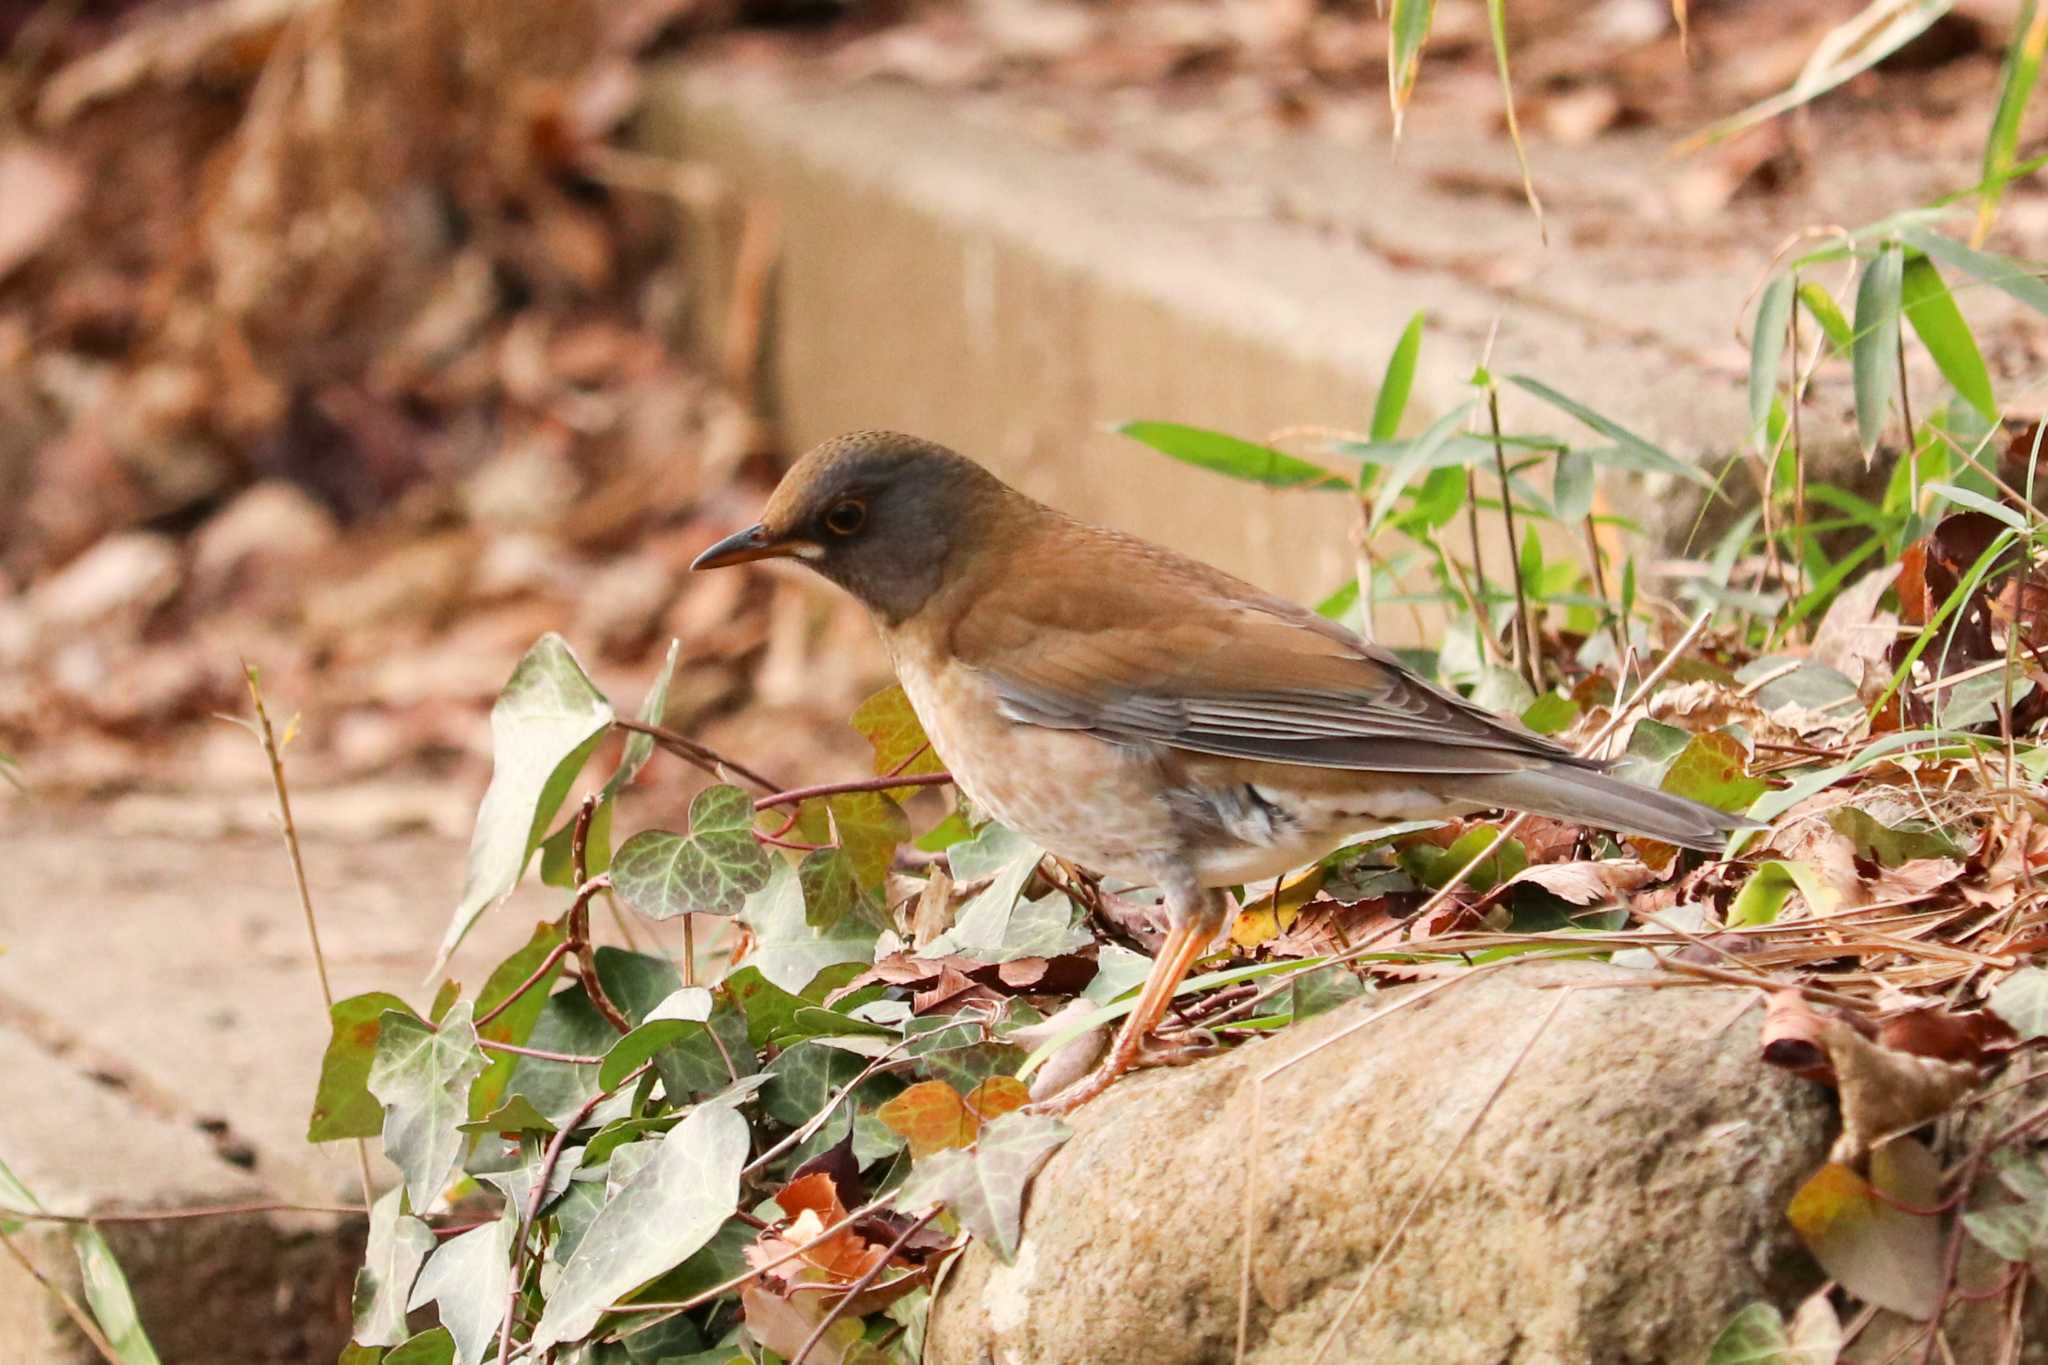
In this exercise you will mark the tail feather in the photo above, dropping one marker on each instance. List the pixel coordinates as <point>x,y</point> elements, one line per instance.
<point>1594,798</point>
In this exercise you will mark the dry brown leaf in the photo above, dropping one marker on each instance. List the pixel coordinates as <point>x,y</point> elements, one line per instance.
<point>1884,1091</point>
<point>1588,883</point>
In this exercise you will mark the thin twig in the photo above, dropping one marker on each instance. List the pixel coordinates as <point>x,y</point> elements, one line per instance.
<point>867,1278</point>
<point>798,795</point>
<point>173,1215</point>
<point>698,755</point>
<point>275,755</point>
<point>540,973</point>
<point>80,1319</point>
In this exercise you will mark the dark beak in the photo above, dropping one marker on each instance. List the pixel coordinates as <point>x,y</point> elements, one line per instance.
<point>742,547</point>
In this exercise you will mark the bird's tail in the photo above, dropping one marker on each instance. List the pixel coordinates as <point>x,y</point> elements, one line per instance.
<point>1585,796</point>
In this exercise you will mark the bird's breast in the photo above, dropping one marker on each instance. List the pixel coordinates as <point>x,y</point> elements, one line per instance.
<point>1073,794</point>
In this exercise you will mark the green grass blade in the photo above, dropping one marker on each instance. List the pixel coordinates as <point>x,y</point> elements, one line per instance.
<point>1767,351</point>
<point>1418,456</point>
<point>1636,452</point>
<point>1821,307</point>
<point>2016,278</point>
<point>1407,29</point>
<point>1873,350</point>
<point>1222,454</point>
<point>2015,87</point>
<point>1397,382</point>
<point>1939,323</point>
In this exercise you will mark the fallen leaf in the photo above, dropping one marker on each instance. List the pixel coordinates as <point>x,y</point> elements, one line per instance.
<point>932,1117</point>
<point>984,1188</point>
<point>1588,883</point>
<point>1876,1250</point>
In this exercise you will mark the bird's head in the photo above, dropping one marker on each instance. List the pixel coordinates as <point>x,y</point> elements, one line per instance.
<point>878,513</point>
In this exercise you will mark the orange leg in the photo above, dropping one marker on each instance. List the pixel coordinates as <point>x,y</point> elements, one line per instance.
<point>1184,943</point>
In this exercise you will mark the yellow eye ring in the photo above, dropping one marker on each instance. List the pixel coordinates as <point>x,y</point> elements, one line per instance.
<point>846,517</point>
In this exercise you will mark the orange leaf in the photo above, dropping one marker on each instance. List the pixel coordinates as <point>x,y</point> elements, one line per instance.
<point>932,1116</point>
<point>997,1096</point>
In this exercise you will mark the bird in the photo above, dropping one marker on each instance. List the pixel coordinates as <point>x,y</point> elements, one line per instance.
<point>1143,714</point>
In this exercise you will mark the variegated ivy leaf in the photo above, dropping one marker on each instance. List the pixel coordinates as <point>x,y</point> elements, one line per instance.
<point>709,871</point>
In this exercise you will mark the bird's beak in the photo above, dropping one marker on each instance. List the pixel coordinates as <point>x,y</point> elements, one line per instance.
<point>744,546</point>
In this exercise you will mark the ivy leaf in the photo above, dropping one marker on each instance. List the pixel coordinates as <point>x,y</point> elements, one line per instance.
<point>432,1347</point>
<point>831,887</point>
<point>468,1279</point>
<point>514,1023</point>
<point>685,1008</point>
<point>568,1023</point>
<point>709,871</point>
<point>516,1115</point>
<point>1499,859</point>
<point>668,1209</point>
<point>1764,895</point>
<point>788,951</point>
<point>932,1117</point>
<point>1873,1247</point>
<point>398,1245</point>
<point>2021,1000</point>
<point>984,1188</point>
<point>891,726</point>
<point>865,826</point>
<point>983,927</point>
<point>422,1076</point>
<point>1711,769</point>
<point>543,726</point>
<point>343,1106</point>
<point>1891,845</point>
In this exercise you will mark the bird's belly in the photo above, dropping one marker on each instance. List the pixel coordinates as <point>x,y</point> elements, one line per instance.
<point>1069,792</point>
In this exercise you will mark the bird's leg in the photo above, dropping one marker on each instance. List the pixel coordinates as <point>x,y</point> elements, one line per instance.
<point>1197,915</point>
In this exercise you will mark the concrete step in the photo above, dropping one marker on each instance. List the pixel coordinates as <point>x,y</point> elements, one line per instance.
<point>1007,274</point>
<point>161,1030</point>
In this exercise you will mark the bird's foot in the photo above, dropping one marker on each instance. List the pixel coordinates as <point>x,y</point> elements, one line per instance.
<point>1176,1049</point>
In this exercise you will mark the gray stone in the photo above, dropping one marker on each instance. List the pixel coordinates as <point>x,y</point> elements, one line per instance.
<point>1621,1199</point>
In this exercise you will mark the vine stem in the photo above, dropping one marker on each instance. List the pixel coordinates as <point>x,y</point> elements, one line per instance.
<point>798,795</point>
<point>587,888</point>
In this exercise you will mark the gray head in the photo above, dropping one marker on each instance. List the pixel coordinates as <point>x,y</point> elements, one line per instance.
<point>881,514</point>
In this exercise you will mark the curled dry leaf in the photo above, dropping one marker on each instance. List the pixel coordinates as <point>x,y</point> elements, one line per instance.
<point>1588,883</point>
<point>1884,1092</point>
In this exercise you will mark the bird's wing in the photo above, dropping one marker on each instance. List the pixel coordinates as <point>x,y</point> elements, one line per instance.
<point>1152,648</point>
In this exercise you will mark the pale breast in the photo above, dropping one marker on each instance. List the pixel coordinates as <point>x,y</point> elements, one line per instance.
<point>1096,803</point>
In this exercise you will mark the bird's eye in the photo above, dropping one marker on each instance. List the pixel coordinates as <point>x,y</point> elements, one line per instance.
<point>846,516</point>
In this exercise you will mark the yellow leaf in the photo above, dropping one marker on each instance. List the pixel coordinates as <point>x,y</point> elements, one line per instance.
<point>1264,920</point>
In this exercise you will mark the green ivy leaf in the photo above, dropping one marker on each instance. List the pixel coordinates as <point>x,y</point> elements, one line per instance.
<point>891,726</point>
<point>1434,867</point>
<point>1764,895</point>
<point>343,1106</point>
<point>543,726</point>
<point>432,1347</point>
<point>468,1279</point>
<point>1891,845</point>
<point>984,1188</point>
<point>711,870</point>
<point>831,887</point>
<point>422,1076</point>
<point>788,951</point>
<point>557,867</point>
<point>398,1246</point>
<point>516,1115</point>
<point>1710,769</point>
<point>513,1024</point>
<point>668,1209</point>
<point>1550,714</point>
<point>568,1023</point>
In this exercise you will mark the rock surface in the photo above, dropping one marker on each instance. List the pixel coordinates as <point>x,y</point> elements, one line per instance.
<point>1622,1197</point>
